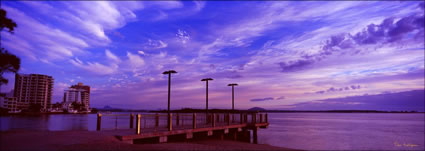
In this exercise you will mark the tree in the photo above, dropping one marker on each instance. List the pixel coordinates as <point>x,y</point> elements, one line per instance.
<point>35,107</point>
<point>76,106</point>
<point>6,22</point>
<point>8,62</point>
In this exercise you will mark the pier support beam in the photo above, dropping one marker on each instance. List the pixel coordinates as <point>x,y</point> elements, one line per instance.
<point>99,120</point>
<point>254,118</point>
<point>189,135</point>
<point>241,118</point>
<point>246,118</point>
<point>219,134</point>
<point>213,120</point>
<point>139,116</point>
<point>218,118</point>
<point>170,121</point>
<point>254,135</point>
<point>177,119</point>
<point>131,120</point>
<point>156,120</point>
<point>194,121</point>
<point>163,139</point>
<point>244,136</point>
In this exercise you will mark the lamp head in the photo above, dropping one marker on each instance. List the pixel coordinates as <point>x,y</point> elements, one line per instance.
<point>206,79</point>
<point>169,71</point>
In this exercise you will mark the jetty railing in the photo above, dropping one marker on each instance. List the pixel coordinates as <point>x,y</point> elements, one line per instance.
<point>151,122</point>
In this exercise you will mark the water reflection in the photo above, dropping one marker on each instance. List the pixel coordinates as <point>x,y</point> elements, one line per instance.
<point>53,122</point>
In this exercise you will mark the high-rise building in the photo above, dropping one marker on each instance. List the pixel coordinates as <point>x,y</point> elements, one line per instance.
<point>78,93</point>
<point>33,89</point>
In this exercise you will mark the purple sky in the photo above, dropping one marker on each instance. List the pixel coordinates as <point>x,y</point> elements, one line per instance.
<point>281,53</point>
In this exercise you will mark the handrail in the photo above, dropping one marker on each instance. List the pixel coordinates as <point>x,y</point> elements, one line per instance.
<point>156,120</point>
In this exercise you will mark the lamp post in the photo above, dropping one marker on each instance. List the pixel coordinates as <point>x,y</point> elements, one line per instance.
<point>169,72</point>
<point>233,94</point>
<point>206,110</point>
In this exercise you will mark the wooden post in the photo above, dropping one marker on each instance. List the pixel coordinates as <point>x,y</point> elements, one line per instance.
<point>170,121</point>
<point>254,133</point>
<point>139,116</point>
<point>241,118</point>
<point>156,120</point>
<point>267,119</point>
<point>218,118</point>
<point>228,118</point>
<point>131,120</point>
<point>177,119</point>
<point>194,120</point>
<point>261,118</point>
<point>99,120</point>
<point>254,118</point>
<point>213,120</point>
<point>246,118</point>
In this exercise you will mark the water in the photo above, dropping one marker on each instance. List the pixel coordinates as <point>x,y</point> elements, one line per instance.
<point>308,131</point>
<point>345,131</point>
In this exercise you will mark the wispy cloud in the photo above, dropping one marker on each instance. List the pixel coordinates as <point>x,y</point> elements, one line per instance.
<point>268,48</point>
<point>112,56</point>
<point>267,99</point>
<point>95,67</point>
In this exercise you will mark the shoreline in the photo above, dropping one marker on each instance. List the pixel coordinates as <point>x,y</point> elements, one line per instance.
<point>95,140</point>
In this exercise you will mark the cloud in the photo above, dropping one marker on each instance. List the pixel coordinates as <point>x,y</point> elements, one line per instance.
<point>141,52</point>
<point>376,78</point>
<point>112,56</point>
<point>135,60</point>
<point>95,67</point>
<point>389,31</point>
<point>47,43</point>
<point>267,99</point>
<point>332,89</point>
<point>97,16</point>
<point>166,5</point>
<point>183,36</point>
<point>291,66</point>
<point>155,44</point>
<point>262,99</point>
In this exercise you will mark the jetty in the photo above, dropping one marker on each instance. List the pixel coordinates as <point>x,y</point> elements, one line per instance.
<point>165,127</point>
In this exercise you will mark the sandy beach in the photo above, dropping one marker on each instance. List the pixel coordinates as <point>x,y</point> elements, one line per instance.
<point>92,140</point>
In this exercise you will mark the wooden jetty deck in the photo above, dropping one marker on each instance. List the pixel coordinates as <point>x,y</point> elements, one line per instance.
<point>159,128</point>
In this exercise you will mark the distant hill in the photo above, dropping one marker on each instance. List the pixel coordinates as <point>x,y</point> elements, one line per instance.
<point>256,109</point>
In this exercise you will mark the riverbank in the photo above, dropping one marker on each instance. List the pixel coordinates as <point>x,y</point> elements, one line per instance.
<point>93,140</point>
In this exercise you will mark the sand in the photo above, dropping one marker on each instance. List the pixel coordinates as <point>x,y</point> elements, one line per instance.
<point>92,140</point>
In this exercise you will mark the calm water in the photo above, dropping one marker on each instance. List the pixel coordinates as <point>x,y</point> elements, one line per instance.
<point>309,131</point>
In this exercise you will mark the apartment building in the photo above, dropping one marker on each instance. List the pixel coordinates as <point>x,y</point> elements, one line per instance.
<point>78,93</point>
<point>33,89</point>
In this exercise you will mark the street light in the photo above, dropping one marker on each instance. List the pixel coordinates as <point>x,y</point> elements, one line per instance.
<point>233,94</point>
<point>206,110</point>
<point>169,72</point>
